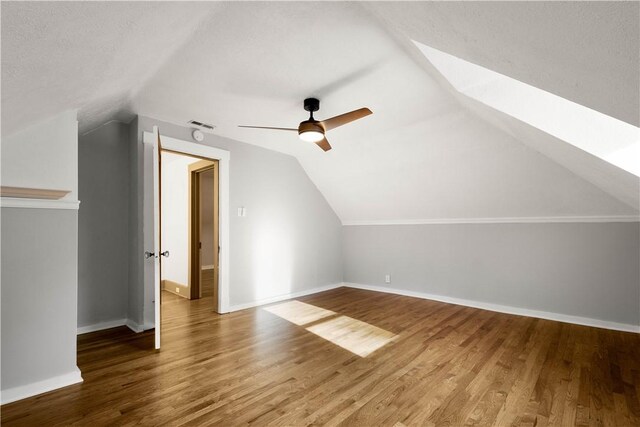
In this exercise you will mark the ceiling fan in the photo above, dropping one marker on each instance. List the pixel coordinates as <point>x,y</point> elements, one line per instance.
<point>313,130</point>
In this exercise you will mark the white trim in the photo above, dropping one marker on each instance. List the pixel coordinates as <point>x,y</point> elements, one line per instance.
<point>498,220</point>
<point>135,327</point>
<point>102,325</point>
<point>278,298</point>
<point>180,145</point>
<point>39,387</point>
<point>224,158</point>
<point>15,202</point>
<point>566,318</point>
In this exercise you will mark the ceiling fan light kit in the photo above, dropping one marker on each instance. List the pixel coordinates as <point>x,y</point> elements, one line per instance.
<point>310,132</point>
<point>311,135</point>
<point>313,130</point>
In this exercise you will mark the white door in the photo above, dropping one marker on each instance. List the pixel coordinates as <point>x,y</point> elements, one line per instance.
<point>151,236</point>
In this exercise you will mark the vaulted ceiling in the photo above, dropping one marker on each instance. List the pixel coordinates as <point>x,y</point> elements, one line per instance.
<point>426,152</point>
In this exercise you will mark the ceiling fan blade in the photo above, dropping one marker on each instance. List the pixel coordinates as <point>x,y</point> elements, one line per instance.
<point>324,144</point>
<point>345,118</point>
<point>265,127</point>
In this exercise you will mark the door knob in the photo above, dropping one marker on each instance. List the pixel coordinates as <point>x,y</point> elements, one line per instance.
<point>148,255</point>
<point>165,254</point>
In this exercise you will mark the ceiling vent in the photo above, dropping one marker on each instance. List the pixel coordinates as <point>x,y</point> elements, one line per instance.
<point>205,127</point>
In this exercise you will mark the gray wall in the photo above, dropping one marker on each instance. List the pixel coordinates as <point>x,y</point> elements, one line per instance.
<point>290,239</point>
<point>40,260</point>
<point>580,269</point>
<point>39,274</point>
<point>103,224</point>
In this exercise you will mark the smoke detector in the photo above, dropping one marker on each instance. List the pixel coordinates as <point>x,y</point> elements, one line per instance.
<point>198,135</point>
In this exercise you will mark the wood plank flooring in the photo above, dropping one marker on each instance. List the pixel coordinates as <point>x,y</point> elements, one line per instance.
<point>438,364</point>
<point>207,282</point>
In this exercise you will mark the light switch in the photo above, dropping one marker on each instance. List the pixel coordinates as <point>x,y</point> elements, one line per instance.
<point>387,278</point>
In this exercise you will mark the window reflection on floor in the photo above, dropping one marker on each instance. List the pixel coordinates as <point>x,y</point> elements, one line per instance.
<point>353,335</point>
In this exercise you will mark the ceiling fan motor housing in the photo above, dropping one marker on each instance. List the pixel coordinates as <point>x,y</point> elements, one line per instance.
<point>310,126</point>
<point>311,104</point>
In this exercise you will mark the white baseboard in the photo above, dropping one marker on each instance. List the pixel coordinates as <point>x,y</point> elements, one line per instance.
<point>283,297</point>
<point>102,325</point>
<point>566,318</point>
<point>135,327</point>
<point>39,387</point>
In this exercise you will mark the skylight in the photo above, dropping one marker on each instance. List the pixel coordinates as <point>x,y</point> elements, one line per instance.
<point>610,139</point>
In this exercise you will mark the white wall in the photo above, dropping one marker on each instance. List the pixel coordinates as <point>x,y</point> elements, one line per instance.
<point>39,262</point>
<point>175,217</point>
<point>42,156</point>
<point>586,270</point>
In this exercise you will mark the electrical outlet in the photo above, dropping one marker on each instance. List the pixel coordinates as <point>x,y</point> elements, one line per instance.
<point>177,290</point>
<point>387,278</point>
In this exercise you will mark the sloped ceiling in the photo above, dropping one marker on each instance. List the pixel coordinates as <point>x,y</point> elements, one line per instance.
<point>423,154</point>
<point>90,56</point>
<point>587,52</point>
<point>550,125</point>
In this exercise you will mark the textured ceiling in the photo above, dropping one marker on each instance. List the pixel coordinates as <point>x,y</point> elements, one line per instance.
<point>90,56</point>
<point>587,52</point>
<point>424,153</point>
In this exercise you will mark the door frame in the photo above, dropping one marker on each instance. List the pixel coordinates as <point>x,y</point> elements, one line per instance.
<point>223,157</point>
<point>195,227</point>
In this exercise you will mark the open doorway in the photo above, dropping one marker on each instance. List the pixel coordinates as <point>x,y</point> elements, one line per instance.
<point>203,230</point>
<point>157,250</point>
<point>189,230</point>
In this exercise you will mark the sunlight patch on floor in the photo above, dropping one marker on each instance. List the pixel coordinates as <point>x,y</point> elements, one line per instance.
<point>298,312</point>
<point>354,335</point>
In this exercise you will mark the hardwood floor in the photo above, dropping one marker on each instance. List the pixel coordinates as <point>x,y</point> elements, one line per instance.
<point>207,283</point>
<point>428,363</point>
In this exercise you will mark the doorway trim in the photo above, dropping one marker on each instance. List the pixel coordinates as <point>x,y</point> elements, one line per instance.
<point>223,157</point>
